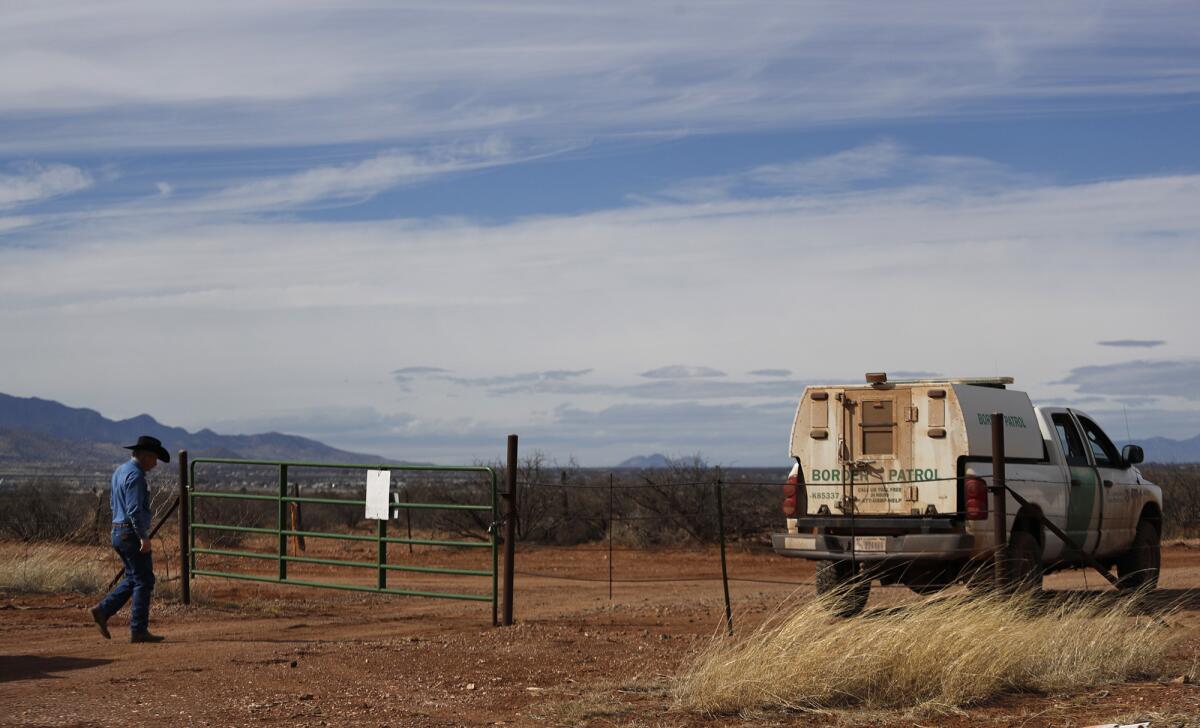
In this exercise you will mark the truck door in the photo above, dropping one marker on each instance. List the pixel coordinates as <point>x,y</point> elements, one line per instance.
<point>1083,490</point>
<point>881,451</point>
<point>1116,486</point>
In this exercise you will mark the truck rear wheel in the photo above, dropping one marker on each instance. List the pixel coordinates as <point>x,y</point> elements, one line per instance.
<point>1024,562</point>
<point>1139,567</point>
<point>1023,566</point>
<point>848,587</point>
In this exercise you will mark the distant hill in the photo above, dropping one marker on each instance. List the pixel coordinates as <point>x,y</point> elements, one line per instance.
<point>1166,450</point>
<point>45,430</point>
<point>646,462</point>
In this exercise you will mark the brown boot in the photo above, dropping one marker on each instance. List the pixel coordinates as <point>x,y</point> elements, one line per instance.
<point>145,637</point>
<point>101,620</point>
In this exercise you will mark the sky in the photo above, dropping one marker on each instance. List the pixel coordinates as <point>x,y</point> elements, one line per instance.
<point>611,228</point>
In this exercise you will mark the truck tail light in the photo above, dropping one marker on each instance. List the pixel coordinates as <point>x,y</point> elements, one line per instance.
<point>977,499</point>
<point>793,497</point>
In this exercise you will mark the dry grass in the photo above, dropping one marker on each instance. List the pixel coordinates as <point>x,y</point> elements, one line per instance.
<point>577,711</point>
<point>940,653</point>
<point>52,568</point>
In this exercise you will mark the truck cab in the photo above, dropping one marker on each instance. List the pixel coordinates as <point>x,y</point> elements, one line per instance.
<point>891,482</point>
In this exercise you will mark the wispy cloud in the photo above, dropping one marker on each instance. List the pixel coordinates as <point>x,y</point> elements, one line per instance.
<point>524,378</point>
<point>866,165</point>
<point>773,373</point>
<point>680,371</point>
<point>153,74</point>
<point>35,182</point>
<point>419,370</point>
<point>1133,343</point>
<point>311,188</point>
<point>660,389</point>
<point>356,180</point>
<point>1140,378</point>
<point>914,374</point>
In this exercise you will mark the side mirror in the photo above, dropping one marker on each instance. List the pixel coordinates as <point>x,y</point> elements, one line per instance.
<point>1132,454</point>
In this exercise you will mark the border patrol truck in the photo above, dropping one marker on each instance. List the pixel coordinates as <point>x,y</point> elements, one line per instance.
<point>891,483</point>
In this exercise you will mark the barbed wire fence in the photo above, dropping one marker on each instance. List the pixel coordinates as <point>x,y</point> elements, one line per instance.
<point>657,512</point>
<point>72,508</point>
<point>689,507</point>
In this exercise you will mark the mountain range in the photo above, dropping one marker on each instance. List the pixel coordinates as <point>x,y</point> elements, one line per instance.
<point>42,430</point>
<point>1166,450</point>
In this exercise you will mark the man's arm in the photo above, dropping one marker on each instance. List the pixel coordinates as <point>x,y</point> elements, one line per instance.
<point>136,495</point>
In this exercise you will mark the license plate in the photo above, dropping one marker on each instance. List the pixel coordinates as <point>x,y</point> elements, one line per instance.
<point>801,543</point>
<point>870,543</point>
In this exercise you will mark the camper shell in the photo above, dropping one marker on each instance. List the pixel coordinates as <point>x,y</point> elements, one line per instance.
<point>901,444</point>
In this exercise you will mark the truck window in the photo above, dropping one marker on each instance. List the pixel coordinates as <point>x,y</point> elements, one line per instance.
<point>1068,438</point>
<point>1102,448</point>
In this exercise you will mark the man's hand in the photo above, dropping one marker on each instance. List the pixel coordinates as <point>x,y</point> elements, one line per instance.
<point>145,549</point>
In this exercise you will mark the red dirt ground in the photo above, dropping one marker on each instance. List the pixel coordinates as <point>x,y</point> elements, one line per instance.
<point>249,654</point>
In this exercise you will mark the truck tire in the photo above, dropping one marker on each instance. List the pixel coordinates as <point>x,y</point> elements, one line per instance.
<point>849,590</point>
<point>1025,568</point>
<point>1139,568</point>
<point>1023,562</point>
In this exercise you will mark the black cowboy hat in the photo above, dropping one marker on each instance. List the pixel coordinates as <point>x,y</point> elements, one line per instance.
<point>151,444</point>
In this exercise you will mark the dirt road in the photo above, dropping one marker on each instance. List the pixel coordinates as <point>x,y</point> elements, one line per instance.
<point>260,654</point>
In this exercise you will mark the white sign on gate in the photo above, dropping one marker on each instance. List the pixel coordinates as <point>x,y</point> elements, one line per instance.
<point>379,484</point>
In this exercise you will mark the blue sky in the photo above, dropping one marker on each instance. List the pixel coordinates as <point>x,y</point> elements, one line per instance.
<point>614,229</point>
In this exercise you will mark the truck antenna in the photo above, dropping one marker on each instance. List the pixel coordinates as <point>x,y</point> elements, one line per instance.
<point>1128,437</point>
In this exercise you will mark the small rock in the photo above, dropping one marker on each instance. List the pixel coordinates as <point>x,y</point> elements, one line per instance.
<point>470,686</point>
<point>306,696</point>
<point>293,663</point>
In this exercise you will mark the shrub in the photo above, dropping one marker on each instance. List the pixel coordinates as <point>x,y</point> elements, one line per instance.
<point>53,568</point>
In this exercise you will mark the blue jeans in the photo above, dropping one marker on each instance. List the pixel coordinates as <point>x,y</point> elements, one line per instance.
<point>138,581</point>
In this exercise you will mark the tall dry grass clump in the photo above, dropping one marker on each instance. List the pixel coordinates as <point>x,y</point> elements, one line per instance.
<point>52,568</point>
<point>945,651</point>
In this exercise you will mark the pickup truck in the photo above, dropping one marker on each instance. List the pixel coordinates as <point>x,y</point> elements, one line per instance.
<point>891,483</point>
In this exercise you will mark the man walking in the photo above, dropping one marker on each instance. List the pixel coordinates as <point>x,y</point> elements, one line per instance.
<point>131,539</point>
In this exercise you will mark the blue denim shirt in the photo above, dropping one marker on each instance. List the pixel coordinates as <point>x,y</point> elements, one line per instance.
<point>130,498</point>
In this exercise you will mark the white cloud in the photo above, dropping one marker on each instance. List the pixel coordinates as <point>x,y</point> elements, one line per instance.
<point>150,74</point>
<point>298,314</point>
<point>36,182</point>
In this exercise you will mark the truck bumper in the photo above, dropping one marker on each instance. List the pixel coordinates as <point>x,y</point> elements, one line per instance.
<point>953,546</point>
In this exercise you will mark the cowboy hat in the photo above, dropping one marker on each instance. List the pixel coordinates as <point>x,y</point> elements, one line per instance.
<point>151,444</point>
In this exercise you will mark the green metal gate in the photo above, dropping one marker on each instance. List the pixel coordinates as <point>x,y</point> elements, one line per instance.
<point>281,532</point>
